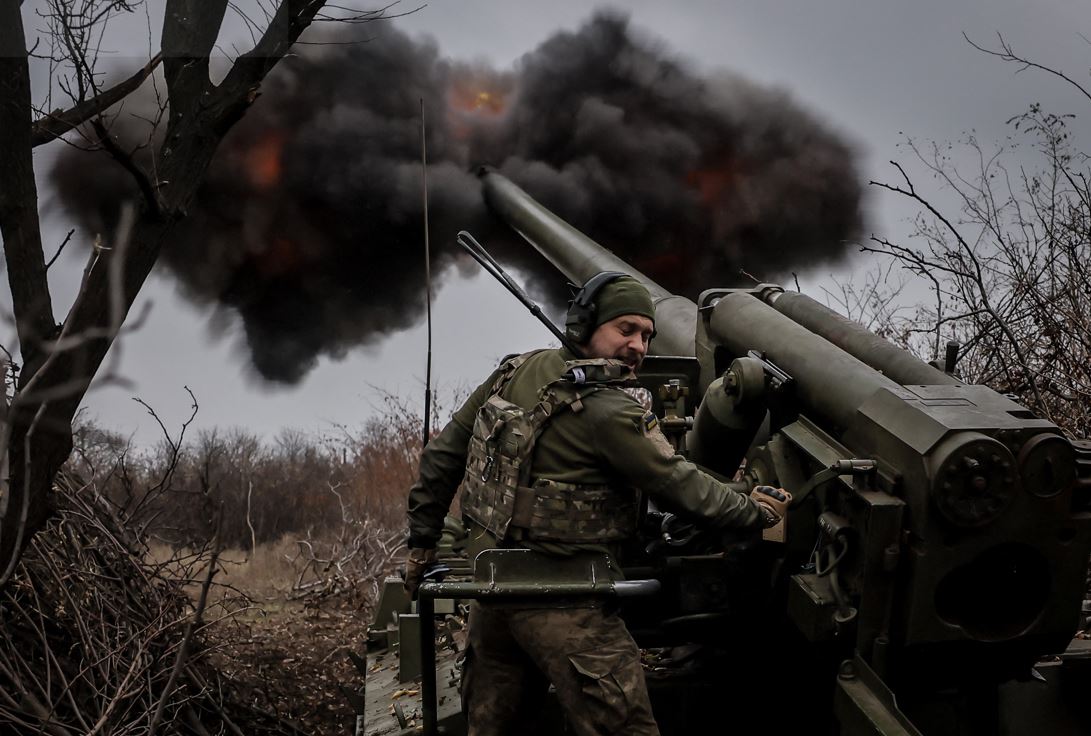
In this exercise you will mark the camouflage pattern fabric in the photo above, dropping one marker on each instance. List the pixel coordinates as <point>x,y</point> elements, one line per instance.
<point>588,655</point>
<point>496,490</point>
<point>551,511</point>
<point>640,395</point>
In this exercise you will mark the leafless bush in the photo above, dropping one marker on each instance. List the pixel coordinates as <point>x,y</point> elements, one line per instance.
<point>382,458</point>
<point>267,489</point>
<point>360,547</point>
<point>350,564</point>
<point>96,639</point>
<point>1007,267</point>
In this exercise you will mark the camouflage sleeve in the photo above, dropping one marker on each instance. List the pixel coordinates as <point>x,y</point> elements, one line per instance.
<point>442,465</point>
<point>630,441</point>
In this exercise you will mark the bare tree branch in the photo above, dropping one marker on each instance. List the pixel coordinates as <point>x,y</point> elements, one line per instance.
<point>187,638</point>
<point>1008,271</point>
<point>60,249</point>
<point>1008,54</point>
<point>55,124</point>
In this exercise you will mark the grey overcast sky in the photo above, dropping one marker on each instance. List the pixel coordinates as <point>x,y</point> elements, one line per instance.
<point>874,70</point>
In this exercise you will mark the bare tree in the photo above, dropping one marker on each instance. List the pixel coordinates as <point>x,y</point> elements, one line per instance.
<point>1008,271</point>
<point>59,359</point>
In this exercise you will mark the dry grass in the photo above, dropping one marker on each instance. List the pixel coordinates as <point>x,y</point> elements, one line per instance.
<point>269,571</point>
<point>275,570</point>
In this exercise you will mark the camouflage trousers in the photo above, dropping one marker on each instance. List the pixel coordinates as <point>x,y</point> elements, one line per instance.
<point>586,653</point>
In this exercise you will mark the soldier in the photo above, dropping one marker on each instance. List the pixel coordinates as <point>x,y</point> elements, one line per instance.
<point>550,449</point>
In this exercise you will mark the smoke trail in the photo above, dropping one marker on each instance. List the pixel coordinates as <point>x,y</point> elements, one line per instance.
<point>309,225</point>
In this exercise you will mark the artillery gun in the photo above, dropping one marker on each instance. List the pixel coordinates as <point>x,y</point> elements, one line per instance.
<point>928,579</point>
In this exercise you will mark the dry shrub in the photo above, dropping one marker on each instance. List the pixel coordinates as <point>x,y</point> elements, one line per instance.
<point>349,568</point>
<point>383,458</point>
<point>92,627</point>
<point>295,486</point>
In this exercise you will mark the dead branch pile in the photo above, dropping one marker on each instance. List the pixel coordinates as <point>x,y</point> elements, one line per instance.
<point>351,565</point>
<point>95,638</point>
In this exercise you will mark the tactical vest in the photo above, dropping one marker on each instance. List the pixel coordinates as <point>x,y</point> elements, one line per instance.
<point>497,492</point>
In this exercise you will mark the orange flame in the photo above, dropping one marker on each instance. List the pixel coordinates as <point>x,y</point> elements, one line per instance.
<point>712,181</point>
<point>263,162</point>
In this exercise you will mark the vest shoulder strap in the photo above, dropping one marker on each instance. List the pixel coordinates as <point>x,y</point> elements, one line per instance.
<point>507,369</point>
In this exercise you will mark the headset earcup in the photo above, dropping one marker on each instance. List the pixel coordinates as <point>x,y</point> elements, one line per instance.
<point>582,310</point>
<point>576,332</point>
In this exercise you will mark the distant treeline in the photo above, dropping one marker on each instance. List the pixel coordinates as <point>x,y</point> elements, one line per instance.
<point>256,490</point>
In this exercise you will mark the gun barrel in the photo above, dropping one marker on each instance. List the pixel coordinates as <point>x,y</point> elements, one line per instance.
<point>579,258</point>
<point>899,365</point>
<point>829,380</point>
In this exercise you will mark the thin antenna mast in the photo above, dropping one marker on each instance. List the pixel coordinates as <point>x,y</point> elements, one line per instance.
<point>470,245</point>
<point>427,282</point>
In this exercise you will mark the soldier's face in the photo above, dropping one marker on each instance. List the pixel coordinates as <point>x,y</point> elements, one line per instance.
<point>623,338</point>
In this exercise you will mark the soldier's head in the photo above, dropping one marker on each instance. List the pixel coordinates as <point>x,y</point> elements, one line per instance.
<point>612,316</point>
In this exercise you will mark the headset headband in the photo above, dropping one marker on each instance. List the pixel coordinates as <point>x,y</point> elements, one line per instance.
<point>580,323</point>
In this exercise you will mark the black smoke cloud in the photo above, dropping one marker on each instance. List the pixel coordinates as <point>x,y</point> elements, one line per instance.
<point>309,224</point>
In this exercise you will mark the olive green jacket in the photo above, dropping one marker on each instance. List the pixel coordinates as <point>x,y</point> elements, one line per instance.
<point>612,441</point>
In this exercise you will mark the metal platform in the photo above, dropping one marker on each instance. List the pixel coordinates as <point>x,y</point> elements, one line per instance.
<point>386,698</point>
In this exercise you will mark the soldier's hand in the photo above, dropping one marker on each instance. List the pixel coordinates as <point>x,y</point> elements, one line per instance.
<point>417,563</point>
<point>773,502</point>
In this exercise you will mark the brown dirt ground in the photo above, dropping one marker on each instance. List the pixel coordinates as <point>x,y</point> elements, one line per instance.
<point>289,660</point>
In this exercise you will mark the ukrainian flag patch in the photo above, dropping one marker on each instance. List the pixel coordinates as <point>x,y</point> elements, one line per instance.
<point>649,422</point>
